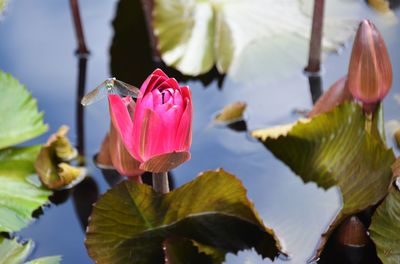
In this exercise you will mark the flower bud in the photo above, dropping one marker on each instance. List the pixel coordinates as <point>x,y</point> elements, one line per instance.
<point>158,133</point>
<point>370,70</point>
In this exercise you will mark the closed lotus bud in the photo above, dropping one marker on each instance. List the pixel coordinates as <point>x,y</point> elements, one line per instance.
<point>370,70</point>
<point>159,133</point>
<point>352,233</point>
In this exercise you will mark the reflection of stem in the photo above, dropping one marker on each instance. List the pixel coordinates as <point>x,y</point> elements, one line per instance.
<point>148,6</point>
<point>315,87</point>
<point>160,182</point>
<point>82,53</point>
<point>314,58</point>
<point>82,49</point>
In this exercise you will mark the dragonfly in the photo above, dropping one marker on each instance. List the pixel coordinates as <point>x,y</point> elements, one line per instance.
<point>109,86</point>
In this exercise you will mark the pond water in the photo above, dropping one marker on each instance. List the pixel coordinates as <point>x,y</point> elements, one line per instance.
<point>37,47</point>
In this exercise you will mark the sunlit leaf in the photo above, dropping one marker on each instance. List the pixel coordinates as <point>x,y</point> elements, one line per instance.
<point>380,5</point>
<point>194,35</point>
<point>231,113</point>
<point>20,190</point>
<point>131,222</point>
<point>334,149</point>
<point>12,252</point>
<point>19,116</point>
<point>46,260</point>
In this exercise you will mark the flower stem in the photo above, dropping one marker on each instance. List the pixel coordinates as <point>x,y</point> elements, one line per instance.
<point>314,59</point>
<point>160,182</point>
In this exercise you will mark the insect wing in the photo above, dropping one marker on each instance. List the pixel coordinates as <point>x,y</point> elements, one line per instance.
<point>125,89</point>
<point>95,95</point>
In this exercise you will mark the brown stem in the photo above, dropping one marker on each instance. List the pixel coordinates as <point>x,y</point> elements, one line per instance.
<point>160,182</point>
<point>314,56</point>
<point>82,49</point>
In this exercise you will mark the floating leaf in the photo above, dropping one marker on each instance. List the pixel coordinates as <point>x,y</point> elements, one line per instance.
<point>193,35</point>
<point>231,113</point>
<point>19,116</point>
<point>130,223</point>
<point>334,149</point>
<point>385,228</point>
<point>53,172</point>
<point>20,190</point>
<point>12,252</point>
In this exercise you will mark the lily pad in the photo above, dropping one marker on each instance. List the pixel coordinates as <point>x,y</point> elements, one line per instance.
<point>19,116</point>
<point>131,222</point>
<point>334,149</point>
<point>12,252</point>
<point>195,35</point>
<point>20,189</point>
<point>385,225</point>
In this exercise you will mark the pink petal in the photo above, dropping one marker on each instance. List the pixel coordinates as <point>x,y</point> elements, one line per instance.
<point>183,138</point>
<point>152,136</point>
<point>121,120</point>
<point>153,81</point>
<point>159,72</point>
<point>171,120</point>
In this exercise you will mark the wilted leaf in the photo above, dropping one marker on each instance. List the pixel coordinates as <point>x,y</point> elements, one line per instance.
<point>19,116</point>
<point>231,113</point>
<point>53,172</point>
<point>334,149</point>
<point>194,35</point>
<point>380,5</point>
<point>20,190</point>
<point>130,223</point>
<point>12,252</point>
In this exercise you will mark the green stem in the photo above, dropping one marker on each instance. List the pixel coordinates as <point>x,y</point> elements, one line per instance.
<point>160,182</point>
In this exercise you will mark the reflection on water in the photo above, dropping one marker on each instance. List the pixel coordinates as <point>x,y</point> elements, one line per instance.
<point>38,47</point>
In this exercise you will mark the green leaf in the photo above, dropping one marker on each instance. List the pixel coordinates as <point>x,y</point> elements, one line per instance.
<point>179,250</point>
<point>131,222</point>
<point>19,116</point>
<point>385,225</point>
<point>20,190</point>
<point>46,260</point>
<point>12,252</point>
<point>334,149</point>
<point>195,35</point>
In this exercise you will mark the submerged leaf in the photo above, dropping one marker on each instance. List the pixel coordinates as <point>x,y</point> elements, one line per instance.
<point>20,190</point>
<point>19,116</point>
<point>335,149</point>
<point>131,222</point>
<point>194,35</point>
<point>231,113</point>
<point>12,252</point>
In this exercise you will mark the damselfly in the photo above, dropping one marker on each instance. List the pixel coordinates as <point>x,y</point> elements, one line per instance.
<point>109,86</point>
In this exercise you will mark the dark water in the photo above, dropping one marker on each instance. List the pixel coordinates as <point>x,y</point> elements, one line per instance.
<point>37,47</point>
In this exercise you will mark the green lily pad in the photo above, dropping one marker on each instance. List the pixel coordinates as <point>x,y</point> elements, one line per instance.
<point>131,222</point>
<point>231,113</point>
<point>12,252</point>
<point>20,189</point>
<point>385,225</point>
<point>19,116</point>
<point>334,149</point>
<point>195,35</point>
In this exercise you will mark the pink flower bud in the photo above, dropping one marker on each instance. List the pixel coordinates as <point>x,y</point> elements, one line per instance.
<point>160,133</point>
<point>370,71</point>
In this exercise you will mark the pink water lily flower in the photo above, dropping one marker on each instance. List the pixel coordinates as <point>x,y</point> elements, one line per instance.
<point>160,133</point>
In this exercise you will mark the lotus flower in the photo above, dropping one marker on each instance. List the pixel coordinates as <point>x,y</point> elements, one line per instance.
<point>160,133</point>
<point>370,71</point>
